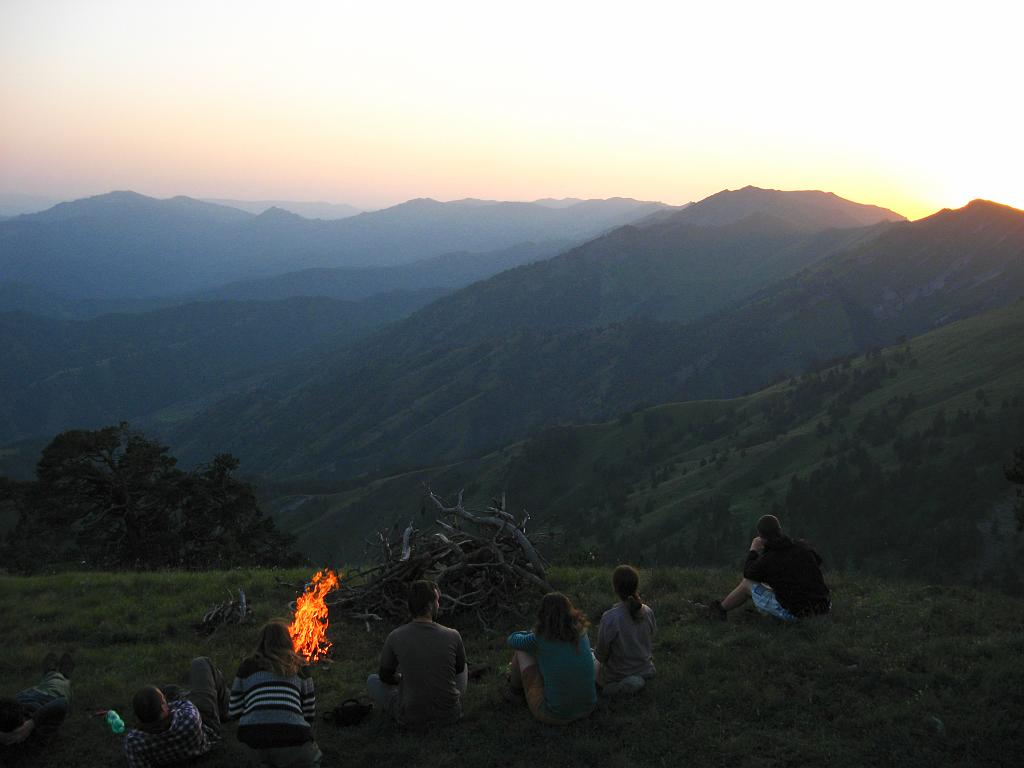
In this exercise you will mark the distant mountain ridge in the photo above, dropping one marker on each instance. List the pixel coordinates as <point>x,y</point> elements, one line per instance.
<point>438,274</point>
<point>127,203</point>
<point>661,311</point>
<point>806,210</point>
<point>15,204</point>
<point>431,388</point>
<point>449,270</point>
<point>18,297</point>
<point>127,245</point>
<point>305,209</point>
<point>672,270</point>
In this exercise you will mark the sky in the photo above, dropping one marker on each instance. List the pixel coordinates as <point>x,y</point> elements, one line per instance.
<point>913,106</point>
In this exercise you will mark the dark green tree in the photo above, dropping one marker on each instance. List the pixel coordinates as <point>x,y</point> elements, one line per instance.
<point>110,493</point>
<point>112,498</point>
<point>222,523</point>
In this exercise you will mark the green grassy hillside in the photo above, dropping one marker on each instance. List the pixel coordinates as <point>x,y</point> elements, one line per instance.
<point>890,462</point>
<point>901,674</point>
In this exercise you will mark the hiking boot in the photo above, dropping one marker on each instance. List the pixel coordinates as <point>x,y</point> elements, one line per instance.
<point>66,665</point>
<point>627,686</point>
<point>716,611</point>
<point>49,662</point>
<point>632,684</point>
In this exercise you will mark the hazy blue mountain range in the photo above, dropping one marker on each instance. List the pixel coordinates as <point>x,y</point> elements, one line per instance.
<point>18,297</point>
<point>434,276</point>
<point>673,266</point>
<point>559,202</point>
<point>307,210</point>
<point>664,311</point>
<point>669,270</point>
<point>127,245</point>
<point>429,388</point>
<point>449,270</point>
<point>15,204</point>
<point>87,374</point>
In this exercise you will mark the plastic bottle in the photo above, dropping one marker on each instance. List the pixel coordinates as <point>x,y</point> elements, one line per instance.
<point>115,722</point>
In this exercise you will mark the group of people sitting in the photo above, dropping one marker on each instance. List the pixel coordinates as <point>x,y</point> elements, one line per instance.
<point>423,671</point>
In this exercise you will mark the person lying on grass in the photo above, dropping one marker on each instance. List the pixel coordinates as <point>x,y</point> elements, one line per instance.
<point>781,576</point>
<point>172,730</point>
<point>273,697</point>
<point>553,665</point>
<point>41,709</point>
<point>624,638</point>
<point>423,673</point>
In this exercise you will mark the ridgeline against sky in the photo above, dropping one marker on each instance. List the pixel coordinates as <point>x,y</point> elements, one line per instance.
<point>910,106</point>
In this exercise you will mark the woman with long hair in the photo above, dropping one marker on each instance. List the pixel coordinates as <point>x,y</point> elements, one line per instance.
<point>273,695</point>
<point>553,664</point>
<point>624,637</point>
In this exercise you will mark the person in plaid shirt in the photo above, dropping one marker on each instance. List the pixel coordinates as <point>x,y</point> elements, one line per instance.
<point>172,732</point>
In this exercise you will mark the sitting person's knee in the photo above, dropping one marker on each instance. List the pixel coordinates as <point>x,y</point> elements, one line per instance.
<point>530,676</point>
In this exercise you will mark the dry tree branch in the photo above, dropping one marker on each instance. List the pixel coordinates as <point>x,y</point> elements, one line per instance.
<point>483,562</point>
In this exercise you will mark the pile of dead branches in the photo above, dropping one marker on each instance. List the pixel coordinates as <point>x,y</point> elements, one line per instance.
<point>231,611</point>
<point>482,560</point>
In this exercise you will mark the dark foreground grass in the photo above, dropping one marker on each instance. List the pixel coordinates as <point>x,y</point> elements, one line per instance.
<point>900,675</point>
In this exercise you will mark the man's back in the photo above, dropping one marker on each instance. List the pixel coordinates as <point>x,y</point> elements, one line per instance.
<point>793,570</point>
<point>428,655</point>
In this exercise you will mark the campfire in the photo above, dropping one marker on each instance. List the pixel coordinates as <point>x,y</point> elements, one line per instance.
<point>309,627</point>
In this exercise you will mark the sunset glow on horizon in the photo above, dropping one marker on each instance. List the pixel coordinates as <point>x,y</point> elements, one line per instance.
<point>913,106</point>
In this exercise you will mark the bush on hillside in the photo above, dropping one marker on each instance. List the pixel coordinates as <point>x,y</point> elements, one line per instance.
<point>1014,472</point>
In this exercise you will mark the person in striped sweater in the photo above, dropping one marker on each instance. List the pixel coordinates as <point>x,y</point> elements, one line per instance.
<point>273,697</point>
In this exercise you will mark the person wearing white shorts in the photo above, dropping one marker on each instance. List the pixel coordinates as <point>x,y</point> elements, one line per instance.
<point>781,576</point>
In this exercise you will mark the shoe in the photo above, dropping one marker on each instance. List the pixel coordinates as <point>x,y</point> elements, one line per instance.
<point>66,665</point>
<point>627,686</point>
<point>49,662</point>
<point>631,684</point>
<point>716,611</point>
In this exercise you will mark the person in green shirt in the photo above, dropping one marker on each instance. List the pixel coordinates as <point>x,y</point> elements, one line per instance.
<point>553,664</point>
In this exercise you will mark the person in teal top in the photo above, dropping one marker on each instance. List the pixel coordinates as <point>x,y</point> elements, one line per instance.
<point>553,665</point>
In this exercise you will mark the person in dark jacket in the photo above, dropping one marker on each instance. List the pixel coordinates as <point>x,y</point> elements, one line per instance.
<point>781,576</point>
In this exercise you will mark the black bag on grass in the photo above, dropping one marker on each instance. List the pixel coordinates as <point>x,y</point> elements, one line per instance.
<point>349,712</point>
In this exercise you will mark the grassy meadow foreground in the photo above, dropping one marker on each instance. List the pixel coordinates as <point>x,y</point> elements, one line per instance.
<point>902,674</point>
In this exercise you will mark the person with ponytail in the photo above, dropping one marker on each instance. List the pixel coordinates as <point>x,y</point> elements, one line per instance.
<point>553,665</point>
<point>624,638</point>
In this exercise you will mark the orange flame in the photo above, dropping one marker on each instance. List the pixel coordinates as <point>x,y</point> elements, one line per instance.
<point>309,627</point>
